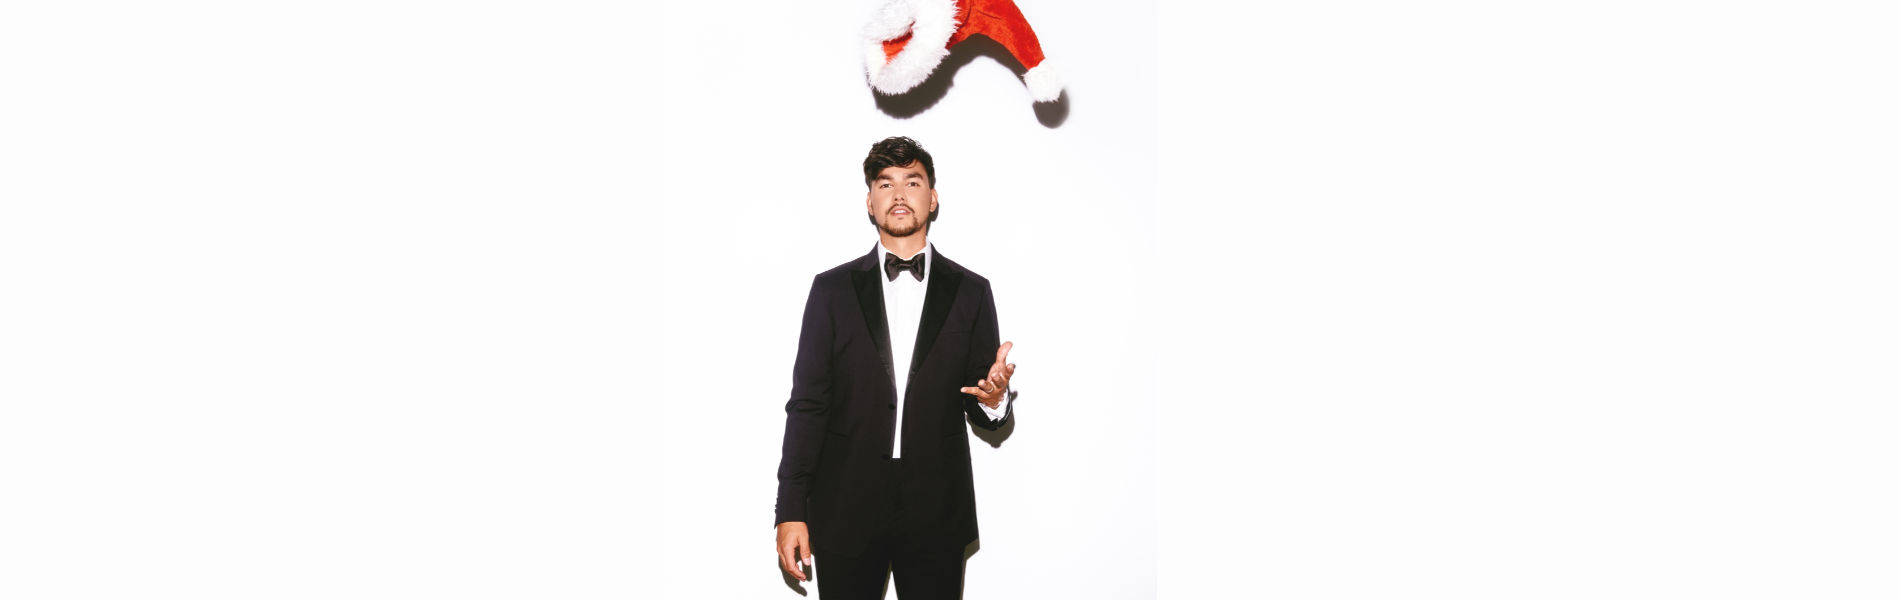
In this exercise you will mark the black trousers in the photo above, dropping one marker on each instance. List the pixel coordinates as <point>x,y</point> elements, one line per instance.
<point>920,576</point>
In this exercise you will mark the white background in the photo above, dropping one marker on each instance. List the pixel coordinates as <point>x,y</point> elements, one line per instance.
<point>1469,299</point>
<point>1547,300</point>
<point>500,300</point>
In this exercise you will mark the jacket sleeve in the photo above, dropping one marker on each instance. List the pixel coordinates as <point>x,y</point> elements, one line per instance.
<point>984,340</point>
<point>805,412</point>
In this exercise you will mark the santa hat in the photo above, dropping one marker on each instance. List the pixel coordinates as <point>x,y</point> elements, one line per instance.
<point>906,39</point>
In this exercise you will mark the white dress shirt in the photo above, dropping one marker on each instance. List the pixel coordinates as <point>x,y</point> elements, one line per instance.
<point>903,309</point>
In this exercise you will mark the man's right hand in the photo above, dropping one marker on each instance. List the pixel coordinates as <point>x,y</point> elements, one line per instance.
<point>794,547</point>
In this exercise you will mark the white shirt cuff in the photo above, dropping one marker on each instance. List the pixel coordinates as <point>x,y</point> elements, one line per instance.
<point>996,414</point>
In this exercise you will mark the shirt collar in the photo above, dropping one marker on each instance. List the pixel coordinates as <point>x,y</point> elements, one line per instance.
<point>929,266</point>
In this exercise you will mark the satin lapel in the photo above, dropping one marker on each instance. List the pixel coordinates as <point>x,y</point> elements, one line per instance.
<point>871,300</point>
<point>937,300</point>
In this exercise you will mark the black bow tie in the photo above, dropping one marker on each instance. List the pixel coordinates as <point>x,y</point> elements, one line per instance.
<point>893,264</point>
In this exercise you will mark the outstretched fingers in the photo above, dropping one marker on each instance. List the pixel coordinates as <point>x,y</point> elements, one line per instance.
<point>983,389</point>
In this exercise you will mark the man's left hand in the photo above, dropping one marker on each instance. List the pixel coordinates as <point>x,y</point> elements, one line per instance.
<point>990,390</point>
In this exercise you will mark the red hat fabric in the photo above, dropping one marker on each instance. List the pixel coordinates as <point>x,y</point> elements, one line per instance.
<point>907,39</point>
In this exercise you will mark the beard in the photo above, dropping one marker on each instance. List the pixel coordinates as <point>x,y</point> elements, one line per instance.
<point>916,225</point>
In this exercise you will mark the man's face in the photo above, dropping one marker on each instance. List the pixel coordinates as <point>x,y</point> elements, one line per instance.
<point>901,200</point>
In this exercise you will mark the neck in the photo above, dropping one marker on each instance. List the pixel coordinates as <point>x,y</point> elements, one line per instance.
<point>904,247</point>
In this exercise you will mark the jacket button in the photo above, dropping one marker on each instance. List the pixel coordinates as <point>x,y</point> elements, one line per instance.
<point>885,455</point>
<point>893,406</point>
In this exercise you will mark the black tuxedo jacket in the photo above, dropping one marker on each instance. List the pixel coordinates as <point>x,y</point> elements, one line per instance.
<point>834,467</point>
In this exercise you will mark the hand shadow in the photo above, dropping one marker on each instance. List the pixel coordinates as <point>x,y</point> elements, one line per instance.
<point>934,88</point>
<point>995,438</point>
<point>790,581</point>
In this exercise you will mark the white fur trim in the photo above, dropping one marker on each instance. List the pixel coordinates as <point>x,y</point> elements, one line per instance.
<point>930,23</point>
<point>1044,84</point>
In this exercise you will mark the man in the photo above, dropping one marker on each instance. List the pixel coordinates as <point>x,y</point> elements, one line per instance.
<point>897,348</point>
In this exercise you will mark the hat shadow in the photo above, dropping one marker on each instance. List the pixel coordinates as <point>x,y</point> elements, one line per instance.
<point>934,88</point>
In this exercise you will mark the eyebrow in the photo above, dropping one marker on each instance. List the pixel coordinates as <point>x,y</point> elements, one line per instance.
<point>910,175</point>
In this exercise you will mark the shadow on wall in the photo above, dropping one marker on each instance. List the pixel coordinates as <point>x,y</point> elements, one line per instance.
<point>927,94</point>
<point>969,551</point>
<point>790,581</point>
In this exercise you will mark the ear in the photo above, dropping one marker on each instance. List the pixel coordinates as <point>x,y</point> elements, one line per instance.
<point>933,202</point>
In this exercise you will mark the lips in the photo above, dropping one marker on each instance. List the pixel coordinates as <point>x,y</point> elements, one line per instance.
<point>900,212</point>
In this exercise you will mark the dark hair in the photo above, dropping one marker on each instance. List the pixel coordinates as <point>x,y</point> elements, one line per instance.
<point>899,151</point>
